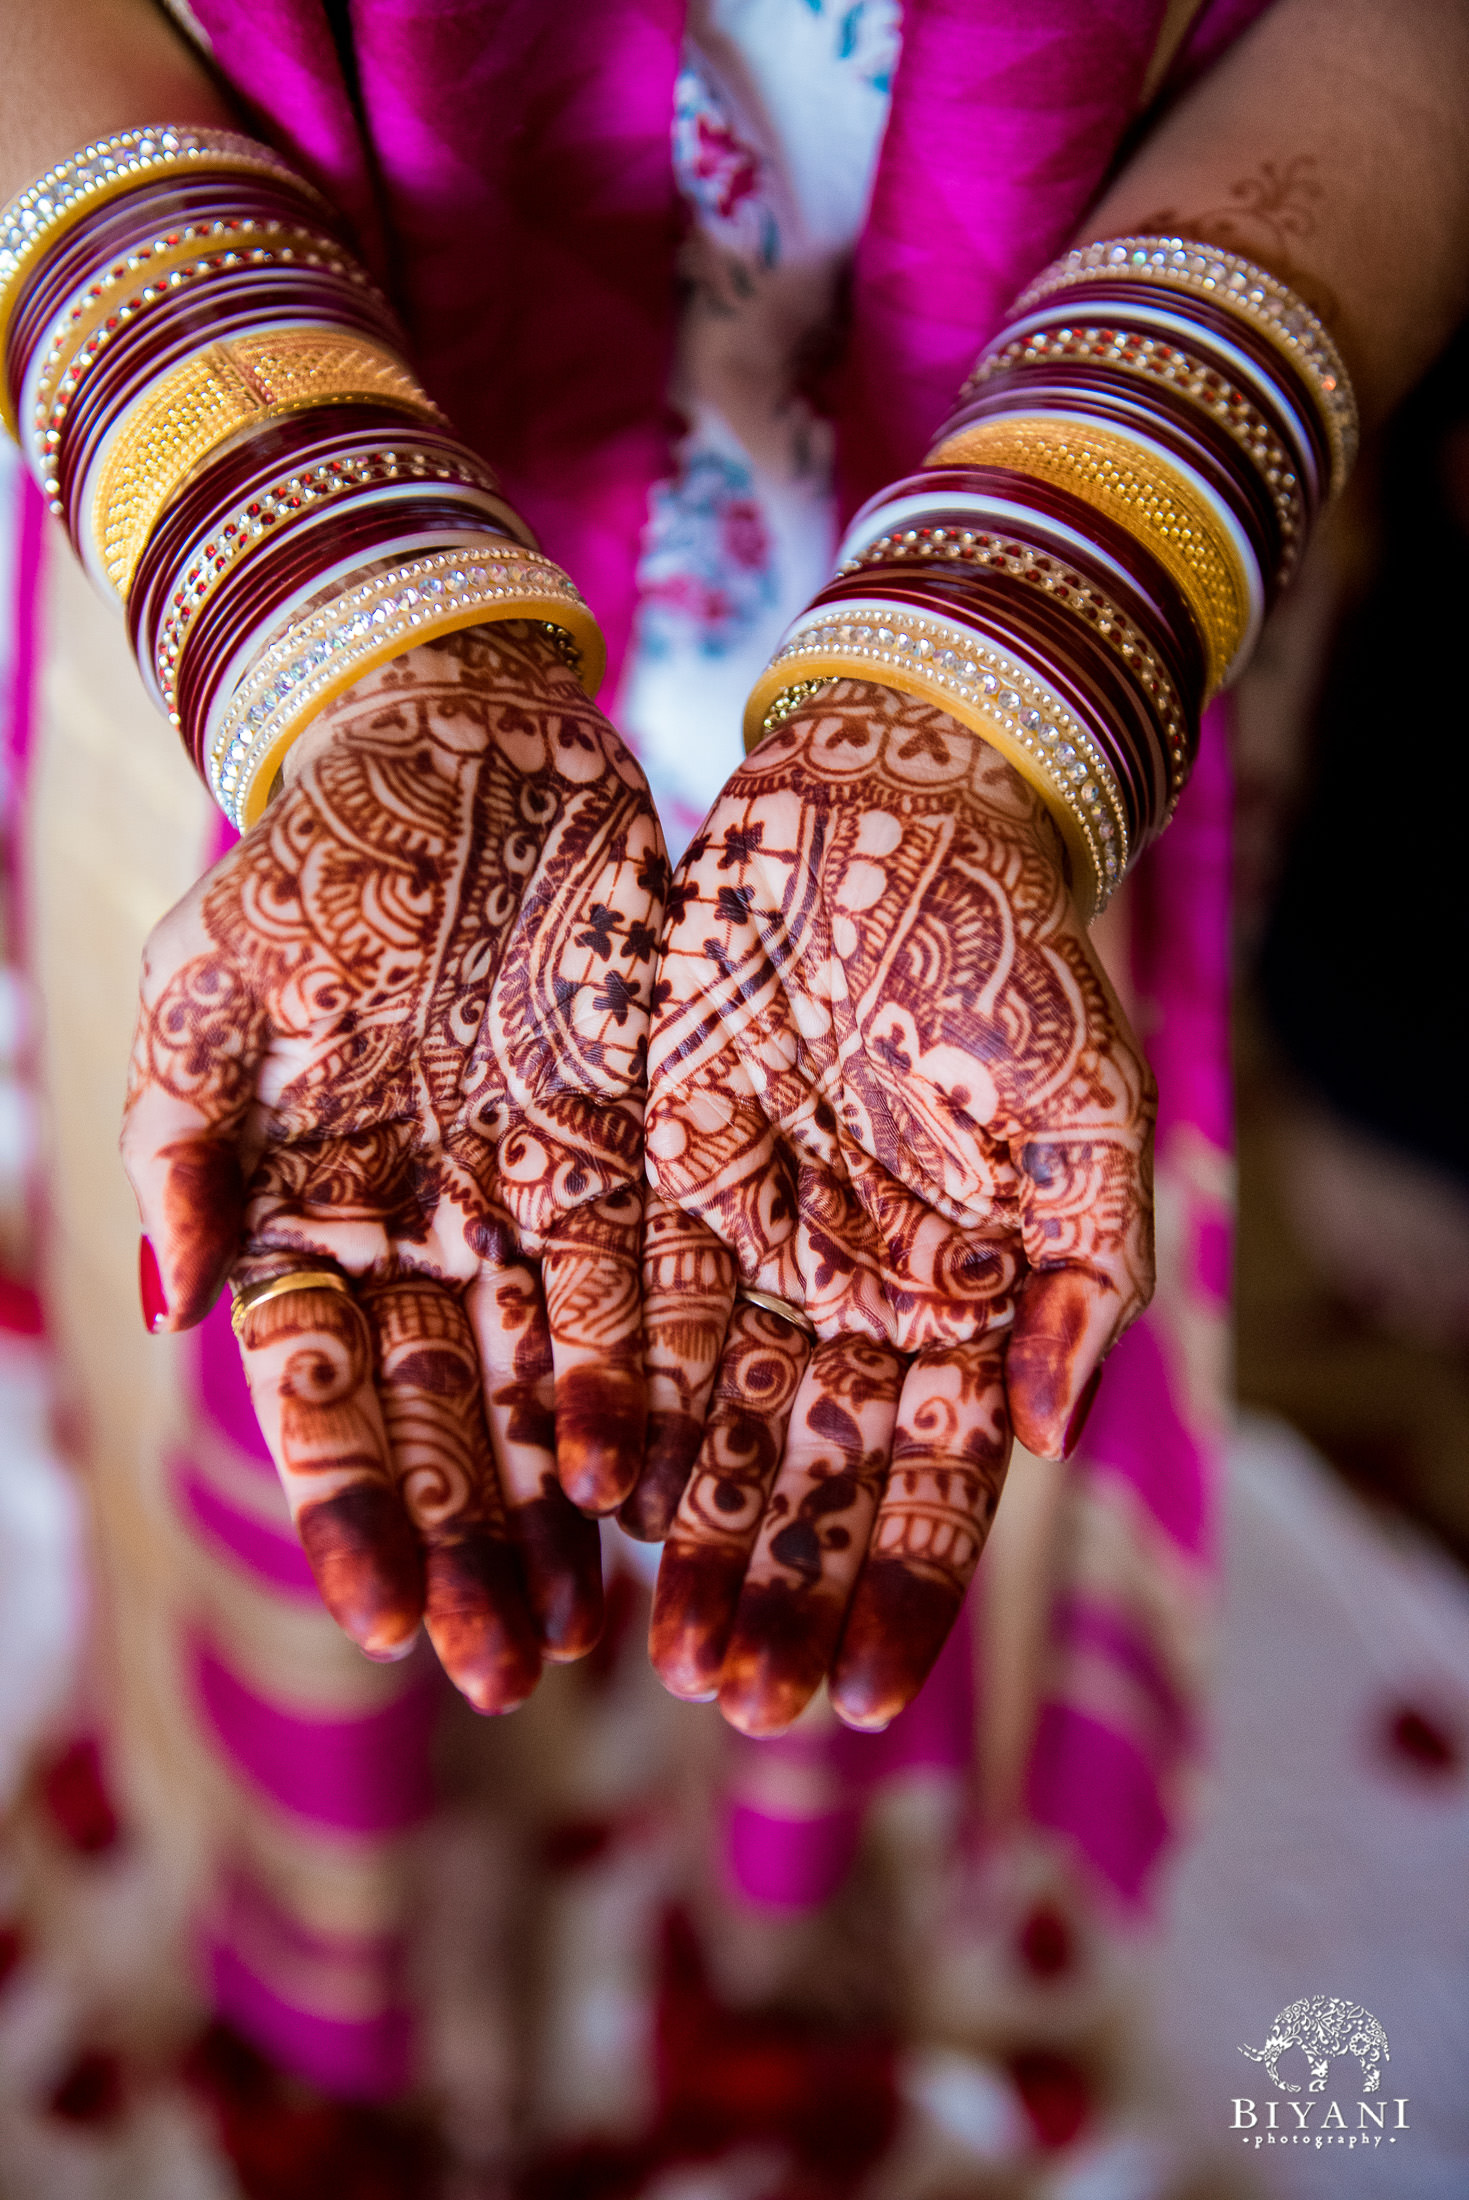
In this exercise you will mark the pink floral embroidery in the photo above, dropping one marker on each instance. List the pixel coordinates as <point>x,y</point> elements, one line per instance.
<point>726,168</point>
<point>743,536</point>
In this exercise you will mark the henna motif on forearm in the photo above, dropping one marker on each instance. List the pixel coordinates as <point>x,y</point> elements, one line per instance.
<point>1270,215</point>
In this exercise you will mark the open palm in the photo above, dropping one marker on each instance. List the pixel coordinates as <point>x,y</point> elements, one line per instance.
<point>398,1035</point>
<point>890,1086</point>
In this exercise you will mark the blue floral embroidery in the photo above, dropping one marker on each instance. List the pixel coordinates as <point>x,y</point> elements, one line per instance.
<point>708,569</point>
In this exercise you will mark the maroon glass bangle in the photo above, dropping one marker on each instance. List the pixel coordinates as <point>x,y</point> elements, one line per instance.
<point>1155,604</point>
<point>184,627</point>
<point>121,377</point>
<point>1251,411</point>
<point>227,482</point>
<point>1075,584</point>
<point>981,620</point>
<point>255,600</point>
<point>1074,603</point>
<point>129,223</point>
<point>205,276</point>
<point>1197,443</point>
<point>1060,649</point>
<point>1272,364</point>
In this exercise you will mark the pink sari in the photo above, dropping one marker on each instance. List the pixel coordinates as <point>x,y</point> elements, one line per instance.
<point>507,165</point>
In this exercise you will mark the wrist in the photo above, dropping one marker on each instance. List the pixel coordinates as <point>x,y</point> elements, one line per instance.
<point>475,662</point>
<point>212,393</point>
<point>1087,556</point>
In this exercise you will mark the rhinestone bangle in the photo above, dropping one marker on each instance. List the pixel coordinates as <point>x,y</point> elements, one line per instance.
<point>931,548</point>
<point>321,656</point>
<point>158,272</point>
<point>33,221</point>
<point>254,524</point>
<point>245,382</point>
<point>1248,291</point>
<point>1184,528</point>
<point>999,698</point>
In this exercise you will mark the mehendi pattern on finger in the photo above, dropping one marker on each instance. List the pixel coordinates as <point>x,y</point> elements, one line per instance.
<point>475,1609</point>
<point>688,1291</point>
<point>950,1451</point>
<point>308,1361</point>
<point>590,1274</point>
<point>718,1519</point>
<point>813,1535</point>
<point>560,1548</point>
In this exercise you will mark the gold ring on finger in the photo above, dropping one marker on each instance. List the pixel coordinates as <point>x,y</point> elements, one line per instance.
<point>780,1308</point>
<point>251,1295</point>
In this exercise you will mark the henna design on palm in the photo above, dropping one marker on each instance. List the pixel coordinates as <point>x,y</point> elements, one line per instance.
<point>402,1029</point>
<point>888,1075</point>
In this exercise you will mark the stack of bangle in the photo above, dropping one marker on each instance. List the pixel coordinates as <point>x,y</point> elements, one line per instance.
<point>213,397</point>
<point>1086,558</point>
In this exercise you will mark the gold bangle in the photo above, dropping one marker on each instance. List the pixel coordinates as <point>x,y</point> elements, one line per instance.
<point>1156,359</point>
<point>251,1295</point>
<point>992,693</point>
<point>34,221</point>
<point>1240,287</point>
<point>246,382</point>
<point>151,275</point>
<point>781,1309</point>
<point>1149,497</point>
<point>366,625</point>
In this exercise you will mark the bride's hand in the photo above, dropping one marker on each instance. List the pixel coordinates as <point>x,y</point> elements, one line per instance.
<point>399,1033</point>
<point>889,1086</point>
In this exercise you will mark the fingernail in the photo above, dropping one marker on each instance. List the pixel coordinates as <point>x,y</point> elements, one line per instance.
<point>150,1288</point>
<point>1078,1419</point>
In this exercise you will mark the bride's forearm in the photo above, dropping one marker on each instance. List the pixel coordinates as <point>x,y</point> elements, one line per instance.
<point>84,70</point>
<point>1331,145</point>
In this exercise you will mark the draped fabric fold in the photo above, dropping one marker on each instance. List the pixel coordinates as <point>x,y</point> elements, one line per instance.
<point>506,165</point>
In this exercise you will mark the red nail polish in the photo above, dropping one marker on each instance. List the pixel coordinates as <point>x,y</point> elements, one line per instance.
<point>1078,1419</point>
<point>150,1288</point>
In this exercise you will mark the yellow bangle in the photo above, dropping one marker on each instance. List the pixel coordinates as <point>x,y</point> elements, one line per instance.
<point>1150,498</point>
<point>245,383</point>
<point>33,222</point>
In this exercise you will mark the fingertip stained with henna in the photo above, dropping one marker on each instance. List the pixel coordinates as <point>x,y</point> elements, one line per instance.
<point>561,1556</point>
<point>898,1623</point>
<point>673,1446</point>
<point>476,1617</point>
<point>694,1603</point>
<point>368,1566</point>
<point>601,1423</point>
